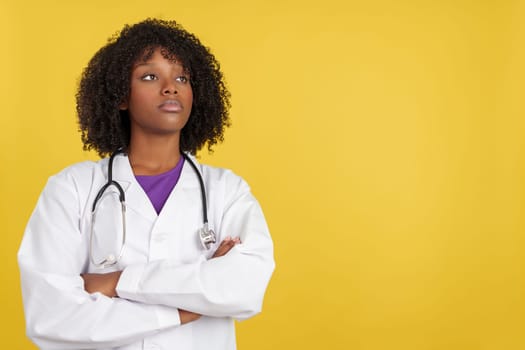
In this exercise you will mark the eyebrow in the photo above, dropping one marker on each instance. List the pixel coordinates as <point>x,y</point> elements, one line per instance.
<point>152,64</point>
<point>143,64</point>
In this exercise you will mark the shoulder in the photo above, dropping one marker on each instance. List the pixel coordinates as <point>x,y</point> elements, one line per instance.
<point>228,186</point>
<point>81,169</point>
<point>223,175</point>
<point>71,185</point>
<point>78,174</point>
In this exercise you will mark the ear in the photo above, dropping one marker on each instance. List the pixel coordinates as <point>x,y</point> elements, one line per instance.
<point>123,106</point>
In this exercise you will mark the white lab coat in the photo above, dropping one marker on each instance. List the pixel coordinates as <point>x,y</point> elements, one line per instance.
<point>164,266</point>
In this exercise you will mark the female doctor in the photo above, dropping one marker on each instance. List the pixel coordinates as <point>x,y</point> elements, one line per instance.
<point>146,249</point>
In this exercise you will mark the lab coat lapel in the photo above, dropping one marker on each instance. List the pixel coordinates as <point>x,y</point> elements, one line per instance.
<point>136,199</point>
<point>184,197</point>
<point>179,220</point>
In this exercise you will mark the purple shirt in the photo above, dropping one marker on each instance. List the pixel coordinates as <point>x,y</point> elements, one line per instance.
<point>159,187</point>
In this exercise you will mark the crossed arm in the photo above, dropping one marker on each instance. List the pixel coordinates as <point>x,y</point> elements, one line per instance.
<point>152,296</point>
<point>107,283</point>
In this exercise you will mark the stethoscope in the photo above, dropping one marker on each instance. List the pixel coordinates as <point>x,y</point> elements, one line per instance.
<point>206,235</point>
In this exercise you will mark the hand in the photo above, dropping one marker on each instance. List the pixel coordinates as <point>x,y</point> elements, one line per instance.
<point>188,316</point>
<point>226,245</point>
<point>105,283</point>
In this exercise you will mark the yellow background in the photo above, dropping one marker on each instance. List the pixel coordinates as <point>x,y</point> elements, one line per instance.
<point>384,140</point>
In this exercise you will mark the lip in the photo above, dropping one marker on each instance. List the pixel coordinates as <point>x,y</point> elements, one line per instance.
<point>171,106</point>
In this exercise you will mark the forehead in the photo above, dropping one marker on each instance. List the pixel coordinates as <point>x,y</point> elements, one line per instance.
<point>151,53</point>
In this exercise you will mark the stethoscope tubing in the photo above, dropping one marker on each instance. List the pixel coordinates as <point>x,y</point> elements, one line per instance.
<point>203,189</point>
<point>206,235</point>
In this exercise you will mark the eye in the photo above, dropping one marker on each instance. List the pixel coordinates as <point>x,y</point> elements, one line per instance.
<point>149,77</point>
<point>183,79</point>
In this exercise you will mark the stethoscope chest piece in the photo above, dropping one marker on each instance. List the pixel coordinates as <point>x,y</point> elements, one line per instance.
<point>207,236</point>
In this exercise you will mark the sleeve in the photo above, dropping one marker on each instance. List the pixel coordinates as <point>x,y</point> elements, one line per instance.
<point>229,286</point>
<point>59,313</point>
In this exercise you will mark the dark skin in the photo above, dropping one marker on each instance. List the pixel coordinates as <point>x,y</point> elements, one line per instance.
<point>159,106</point>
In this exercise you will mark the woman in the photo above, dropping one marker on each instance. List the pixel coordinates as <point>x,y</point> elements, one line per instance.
<point>121,253</point>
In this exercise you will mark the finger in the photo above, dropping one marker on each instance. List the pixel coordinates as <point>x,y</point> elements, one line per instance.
<point>224,248</point>
<point>187,316</point>
<point>220,250</point>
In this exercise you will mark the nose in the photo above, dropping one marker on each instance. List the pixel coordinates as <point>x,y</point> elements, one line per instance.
<point>169,89</point>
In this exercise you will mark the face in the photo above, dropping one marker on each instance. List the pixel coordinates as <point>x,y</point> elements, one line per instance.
<point>160,96</point>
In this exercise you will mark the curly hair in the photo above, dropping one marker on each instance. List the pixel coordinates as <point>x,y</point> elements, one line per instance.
<point>105,84</point>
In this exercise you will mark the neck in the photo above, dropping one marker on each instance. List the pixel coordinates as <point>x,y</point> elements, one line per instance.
<point>152,156</point>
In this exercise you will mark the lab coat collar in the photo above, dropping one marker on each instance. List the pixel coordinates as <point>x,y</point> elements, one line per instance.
<point>136,198</point>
